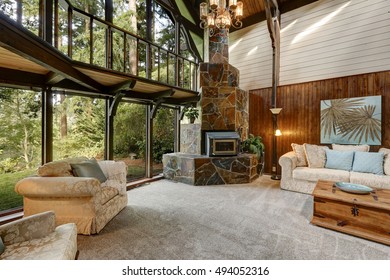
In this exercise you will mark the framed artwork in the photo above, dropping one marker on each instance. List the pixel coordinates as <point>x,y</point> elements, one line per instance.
<point>352,120</point>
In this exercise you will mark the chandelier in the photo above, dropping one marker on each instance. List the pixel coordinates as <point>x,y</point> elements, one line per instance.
<point>218,15</point>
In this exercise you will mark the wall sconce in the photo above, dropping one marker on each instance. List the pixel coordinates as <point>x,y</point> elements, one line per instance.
<point>275,112</point>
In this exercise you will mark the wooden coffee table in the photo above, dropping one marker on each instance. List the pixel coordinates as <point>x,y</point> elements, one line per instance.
<point>363,215</point>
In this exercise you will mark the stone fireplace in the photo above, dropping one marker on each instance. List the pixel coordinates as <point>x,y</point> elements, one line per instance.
<point>224,108</point>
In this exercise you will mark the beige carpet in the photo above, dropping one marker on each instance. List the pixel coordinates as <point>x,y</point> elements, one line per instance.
<point>167,220</point>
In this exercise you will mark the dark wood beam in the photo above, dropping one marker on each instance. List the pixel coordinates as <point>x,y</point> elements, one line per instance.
<point>33,48</point>
<point>53,78</point>
<point>149,96</point>
<point>182,101</point>
<point>126,85</point>
<point>71,86</point>
<point>21,78</point>
<point>292,5</point>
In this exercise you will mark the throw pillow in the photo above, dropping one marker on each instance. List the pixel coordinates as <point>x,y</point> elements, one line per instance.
<point>361,148</point>
<point>59,168</point>
<point>2,246</point>
<point>339,159</point>
<point>88,168</point>
<point>368,162</point>
<point>300,153</point>
<point>315,155</point>
<point>386,162</point>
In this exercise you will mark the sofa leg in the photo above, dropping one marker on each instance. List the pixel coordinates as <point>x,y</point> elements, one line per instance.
<point>77,255</point>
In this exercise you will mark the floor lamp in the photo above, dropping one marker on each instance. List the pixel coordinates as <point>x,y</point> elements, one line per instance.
<point>275,134</point>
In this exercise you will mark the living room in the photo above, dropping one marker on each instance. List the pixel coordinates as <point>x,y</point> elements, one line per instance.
<point>324,50</point>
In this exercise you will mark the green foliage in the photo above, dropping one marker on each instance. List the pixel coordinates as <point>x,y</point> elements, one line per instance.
<point>8,197</point>
<point>20,135</point>
<point>163,133</point>
<point>129,130</point>
<point>78,127</point>
<point>191,112</point>
<point>253,145</point>
<point>8,165</point>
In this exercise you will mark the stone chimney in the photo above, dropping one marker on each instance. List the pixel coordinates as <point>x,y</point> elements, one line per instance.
<point>223,105</point>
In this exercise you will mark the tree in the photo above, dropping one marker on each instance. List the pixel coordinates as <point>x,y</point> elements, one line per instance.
<point>20,133</point>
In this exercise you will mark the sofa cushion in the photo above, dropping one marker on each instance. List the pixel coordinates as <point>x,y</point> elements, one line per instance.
<point>360,148</point>
<point>59,168</point>
<point>314,174</point>
<point>300,153</point>
<point>55,169</point>
<point>88,168</point>
<point>61,244</point>
<point>367,162</point>
<point>315,155</point>
<point>2,246</point>
<point>339,159</point>
<point>386,162</point>
<point>370,180</point>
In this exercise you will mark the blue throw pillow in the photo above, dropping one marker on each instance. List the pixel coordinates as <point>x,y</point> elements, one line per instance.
<point>368,162</point>
<point>88,168</point>
<point>339,159</point>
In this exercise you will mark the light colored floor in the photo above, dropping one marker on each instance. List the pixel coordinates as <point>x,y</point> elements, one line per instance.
<point>168,220</point>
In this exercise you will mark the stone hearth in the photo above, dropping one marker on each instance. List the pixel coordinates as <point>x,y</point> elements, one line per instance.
<point>202,170</point>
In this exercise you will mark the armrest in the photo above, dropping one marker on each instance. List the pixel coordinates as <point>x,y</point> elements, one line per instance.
<point>288,162</point>
<point>58,187</point>
<point>32,227</point>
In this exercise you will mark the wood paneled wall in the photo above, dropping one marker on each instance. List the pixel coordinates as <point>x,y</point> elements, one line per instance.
<point>299,120</point>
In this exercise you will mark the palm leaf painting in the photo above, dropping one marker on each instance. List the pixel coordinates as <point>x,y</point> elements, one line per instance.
<point>351,121</point>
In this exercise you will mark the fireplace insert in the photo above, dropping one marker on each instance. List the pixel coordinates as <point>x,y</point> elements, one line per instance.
<point>222,143</point>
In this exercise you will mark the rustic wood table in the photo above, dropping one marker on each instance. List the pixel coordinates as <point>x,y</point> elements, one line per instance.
<point>363,215</point>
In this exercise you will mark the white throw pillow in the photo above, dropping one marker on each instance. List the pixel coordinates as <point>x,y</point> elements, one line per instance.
<point>386,162</point>
<point>300,153</point>
<point>315,155</point>
<point>358,148</point>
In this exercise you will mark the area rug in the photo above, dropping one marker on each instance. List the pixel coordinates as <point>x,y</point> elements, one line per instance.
<point>165,220</point>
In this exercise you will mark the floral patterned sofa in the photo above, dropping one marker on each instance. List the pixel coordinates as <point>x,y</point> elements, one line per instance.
<point>37,238</point>
<point>306,164</point>
<point>88,202</point>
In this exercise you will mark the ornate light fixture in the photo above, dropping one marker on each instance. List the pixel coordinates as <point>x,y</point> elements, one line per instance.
<point>217,15</point>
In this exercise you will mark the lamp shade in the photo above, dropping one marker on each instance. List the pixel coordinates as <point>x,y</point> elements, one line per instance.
<point>278,132</point>
<point>276,111</point>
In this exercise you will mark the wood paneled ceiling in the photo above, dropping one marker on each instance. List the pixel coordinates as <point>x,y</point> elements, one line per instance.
<point>254,10</point>
<point>28,62</point>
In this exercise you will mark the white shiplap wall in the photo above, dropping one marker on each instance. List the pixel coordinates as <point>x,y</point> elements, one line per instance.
<point>326,39</point>
<point>251,52</point>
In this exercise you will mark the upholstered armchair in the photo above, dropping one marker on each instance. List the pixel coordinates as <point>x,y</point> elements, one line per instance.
<point>88,202</point>
<point>37,238</point>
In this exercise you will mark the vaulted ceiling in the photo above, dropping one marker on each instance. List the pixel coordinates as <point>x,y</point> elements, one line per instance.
<point>254,10</point>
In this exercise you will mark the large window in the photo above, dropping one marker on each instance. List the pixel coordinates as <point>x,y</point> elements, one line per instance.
<point>78,128</point>
<point>30,15</point>
<point>130,138</point>
<point>163,137</point>
<point>20,141</point>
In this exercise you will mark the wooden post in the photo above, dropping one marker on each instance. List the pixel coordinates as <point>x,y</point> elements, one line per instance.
<point>47,125</point>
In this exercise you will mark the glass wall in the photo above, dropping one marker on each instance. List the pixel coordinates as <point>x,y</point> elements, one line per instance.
<point>130,138</point>
<point>20,141</point>
<point>78,126</point>
<point>163,137</point>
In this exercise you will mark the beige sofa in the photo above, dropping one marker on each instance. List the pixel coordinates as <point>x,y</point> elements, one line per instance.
<point>37,238</point>
<point>84,201</point>
<point>297,175</point>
